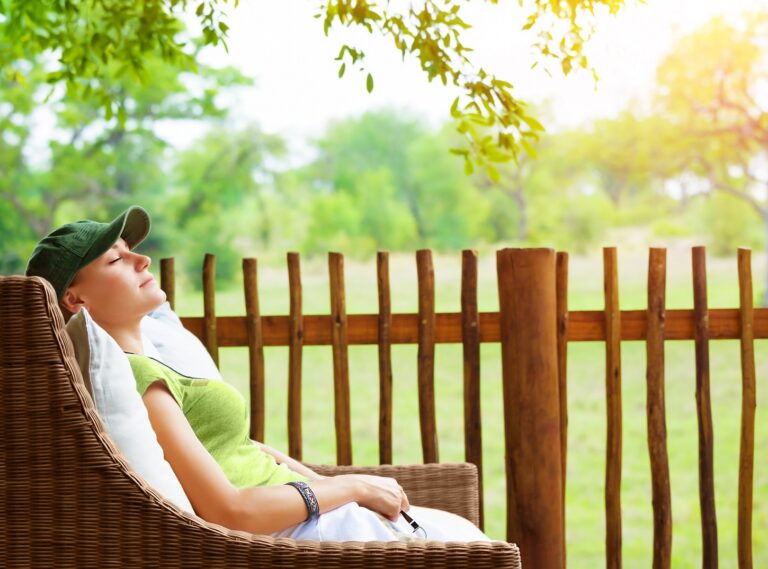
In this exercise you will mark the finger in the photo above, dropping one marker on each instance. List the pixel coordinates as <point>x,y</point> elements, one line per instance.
<point>406,504</point>
<point>394,514</point>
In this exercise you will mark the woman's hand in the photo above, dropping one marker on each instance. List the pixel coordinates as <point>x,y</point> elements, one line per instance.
<point>380,494</point>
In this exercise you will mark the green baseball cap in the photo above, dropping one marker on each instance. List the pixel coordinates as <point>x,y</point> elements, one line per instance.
<point>66,250</point>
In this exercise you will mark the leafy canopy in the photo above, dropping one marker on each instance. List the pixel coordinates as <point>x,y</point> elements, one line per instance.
<point>93,42</point>
<point>710,86</point>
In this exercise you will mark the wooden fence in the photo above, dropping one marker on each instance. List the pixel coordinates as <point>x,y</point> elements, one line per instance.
<point>533,327</point>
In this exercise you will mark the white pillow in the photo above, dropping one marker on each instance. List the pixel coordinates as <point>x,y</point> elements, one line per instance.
<point>166,339</point>
<point>107,370</point>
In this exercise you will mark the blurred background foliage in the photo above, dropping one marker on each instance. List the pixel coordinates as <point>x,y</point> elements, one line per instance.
<point>692,164</point>
<point>93,44</point>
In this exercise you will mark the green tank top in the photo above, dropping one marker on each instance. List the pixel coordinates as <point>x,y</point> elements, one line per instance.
<point>218,415</point>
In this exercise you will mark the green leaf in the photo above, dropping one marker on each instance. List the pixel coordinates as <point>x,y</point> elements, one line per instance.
<point>54,76</point>
<point>501,83</point>
<point>567,65</point>
<point>121,116</point>
<point>341,69</point>
<point>532,123</point>
<point>369,83</point>
<point>455,112</point>
<point>528,148</point>
<point>493,173</point>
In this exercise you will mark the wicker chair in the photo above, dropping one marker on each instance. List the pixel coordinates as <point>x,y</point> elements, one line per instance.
<point>68,498</point>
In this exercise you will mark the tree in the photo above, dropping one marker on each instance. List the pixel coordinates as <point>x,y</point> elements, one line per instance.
<point>95,42</point>
<point>217,182</point>
<point>620,153</point>
<point>552,196</point>
<point>709,88</point>
<point>402,183</point>
<point>91,160</point>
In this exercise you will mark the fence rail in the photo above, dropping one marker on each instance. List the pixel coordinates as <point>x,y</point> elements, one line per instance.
<point>583,326</point>
<point>533,327</point>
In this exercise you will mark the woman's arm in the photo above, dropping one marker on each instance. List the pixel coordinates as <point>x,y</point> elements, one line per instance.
<point>260,509</point>
<point>291,463</point>
<point>381,494</point>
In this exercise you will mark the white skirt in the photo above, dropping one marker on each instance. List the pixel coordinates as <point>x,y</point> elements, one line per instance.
<point>352,522</point>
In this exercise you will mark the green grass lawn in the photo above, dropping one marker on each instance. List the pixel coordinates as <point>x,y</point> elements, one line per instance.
<point>586,397</point>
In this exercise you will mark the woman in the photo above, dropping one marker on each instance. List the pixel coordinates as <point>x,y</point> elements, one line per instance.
<point>199,424</point>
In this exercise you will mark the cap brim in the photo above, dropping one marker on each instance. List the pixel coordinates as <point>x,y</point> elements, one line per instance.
<point>133,225</point>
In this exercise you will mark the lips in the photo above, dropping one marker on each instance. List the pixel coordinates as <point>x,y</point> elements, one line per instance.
<point>149,280</point>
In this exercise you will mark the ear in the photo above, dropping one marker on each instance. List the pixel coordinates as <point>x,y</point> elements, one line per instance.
<point>65,313</point>
<point>71,300</point>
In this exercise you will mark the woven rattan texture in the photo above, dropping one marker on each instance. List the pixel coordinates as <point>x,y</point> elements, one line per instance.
<point>68,498</point>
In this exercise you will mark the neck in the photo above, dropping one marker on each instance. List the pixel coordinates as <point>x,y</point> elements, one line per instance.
<point>128,337</point>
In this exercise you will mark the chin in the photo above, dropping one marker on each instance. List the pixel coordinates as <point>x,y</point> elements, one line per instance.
<point>157,301</point>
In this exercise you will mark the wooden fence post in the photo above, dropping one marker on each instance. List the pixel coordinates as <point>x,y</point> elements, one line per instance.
<point>535,505</point>
<point>255,349</point>
<point>167,280</point>
<point>748,405</point>
<point>613,407</point>
<point>661,492</point>
<point>295,353</point>
<point>702,334</point>
<point>209,307</point>
<point>426,356</point>
<point>384,326</point>
<point>340,360</point>
<point>470,337</point>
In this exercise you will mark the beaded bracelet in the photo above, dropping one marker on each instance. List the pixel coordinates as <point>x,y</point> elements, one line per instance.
<point>313,508</point>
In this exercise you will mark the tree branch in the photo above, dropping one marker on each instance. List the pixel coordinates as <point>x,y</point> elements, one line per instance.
<point>712,178</point>
<point>35,222</point>
<point>741,194</point>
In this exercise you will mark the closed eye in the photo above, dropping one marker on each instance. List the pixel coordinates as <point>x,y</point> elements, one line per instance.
<point>113,262</point>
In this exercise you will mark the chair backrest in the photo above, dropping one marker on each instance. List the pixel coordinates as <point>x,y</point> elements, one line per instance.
<point>62,479</point>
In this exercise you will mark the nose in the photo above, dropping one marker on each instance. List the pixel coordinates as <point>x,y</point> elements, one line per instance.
<point>143,262</point>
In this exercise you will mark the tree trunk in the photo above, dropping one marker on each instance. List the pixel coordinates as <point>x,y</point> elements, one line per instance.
<point>413,207</point>
<point>265,231</point>
<point>684,196</point>
<point>613,188</point>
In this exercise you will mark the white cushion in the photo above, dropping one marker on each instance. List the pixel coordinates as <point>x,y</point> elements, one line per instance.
<point>113,387</point>
<point>166,339</point>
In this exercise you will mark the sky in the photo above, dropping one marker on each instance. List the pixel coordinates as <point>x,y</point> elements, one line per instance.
<point>297,93</point>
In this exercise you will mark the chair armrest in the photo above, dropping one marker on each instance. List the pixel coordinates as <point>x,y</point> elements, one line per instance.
<point>450,486</point>
<point>397,554</point>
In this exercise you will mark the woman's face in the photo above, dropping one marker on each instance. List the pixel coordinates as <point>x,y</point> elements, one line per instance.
<point>116,288</point>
